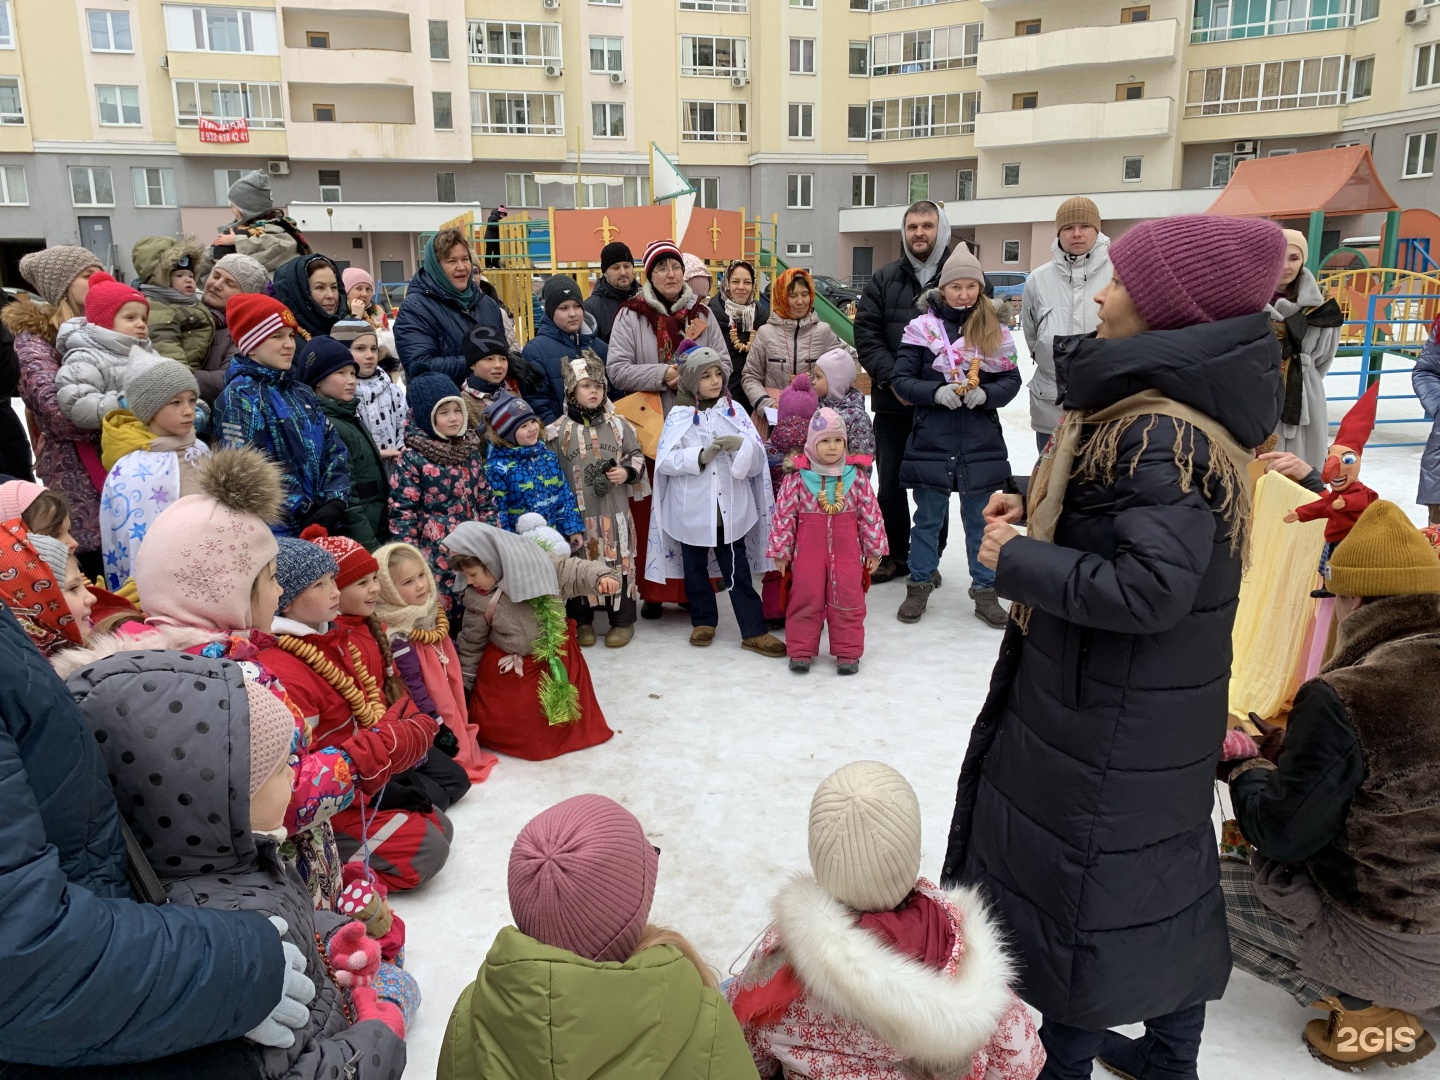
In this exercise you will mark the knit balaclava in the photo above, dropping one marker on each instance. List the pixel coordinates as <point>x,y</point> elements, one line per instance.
<point>249,274</point>
<point>582,878</point>
<point>16,497</point>
<point>298,565</point>
<point>251,194</point>
<point>825,423</point>
<point>152,382</point>
<point>272,730</point>
<point>55,269</point>
<point>425,392</point>
<point>352,561</point>
<point>865,836</point>
<point>798,399</point>
<point>105,299</point>
<point>838,367</point>
<point>1181,271</point>
<point>506,414</point>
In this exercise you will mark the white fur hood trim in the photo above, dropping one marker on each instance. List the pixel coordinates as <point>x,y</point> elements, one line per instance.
<point>924,1014</point>
<point>171,638</point>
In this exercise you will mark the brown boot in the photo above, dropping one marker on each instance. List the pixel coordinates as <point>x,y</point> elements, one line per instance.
<point>1355,1039</point>
<point>765,645</point>
<point>619,637</point>
<point>917,597</point>
<point>702,635</point>
<point>585,636</point>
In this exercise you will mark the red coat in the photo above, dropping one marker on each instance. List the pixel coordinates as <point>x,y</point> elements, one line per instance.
<point>1338,523</point>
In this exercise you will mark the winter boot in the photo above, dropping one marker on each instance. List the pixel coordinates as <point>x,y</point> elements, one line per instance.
<point>765,645</point>
<point>585,635</point>
<point>888,570</point>
<point>1355,1039</point>
<point>651,609</point>
<point>917,596</point>
<point>936,579</point>
<point>846,667</point>
<point>800,665</point>
<point>988,609</point>
<point>702,635</point>
<point>619,636</point>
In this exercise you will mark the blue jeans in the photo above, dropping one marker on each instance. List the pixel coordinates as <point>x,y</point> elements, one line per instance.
<point>930,510</point>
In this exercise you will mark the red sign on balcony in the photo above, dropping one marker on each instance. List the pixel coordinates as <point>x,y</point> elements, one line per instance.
<point>224,131</point>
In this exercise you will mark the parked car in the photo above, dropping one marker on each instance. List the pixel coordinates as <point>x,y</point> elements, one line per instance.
<point>1009,284</point>
<point>836,291</point>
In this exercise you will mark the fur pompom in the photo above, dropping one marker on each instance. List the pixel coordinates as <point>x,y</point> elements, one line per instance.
<point>245,480</point>
<point>314,532</point>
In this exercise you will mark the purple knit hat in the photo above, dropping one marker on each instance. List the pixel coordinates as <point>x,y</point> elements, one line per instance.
<point>798,399</point>
<point>1181,271</point>
<point>582,878</point>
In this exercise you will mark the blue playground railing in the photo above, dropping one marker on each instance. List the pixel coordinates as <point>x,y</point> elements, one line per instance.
<point>1395,328</point>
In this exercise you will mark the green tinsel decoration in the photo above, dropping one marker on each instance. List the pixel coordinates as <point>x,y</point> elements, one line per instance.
<point>559,699</point>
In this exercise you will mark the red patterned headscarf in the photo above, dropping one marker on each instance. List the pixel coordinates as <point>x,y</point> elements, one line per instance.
<point>29,589</point>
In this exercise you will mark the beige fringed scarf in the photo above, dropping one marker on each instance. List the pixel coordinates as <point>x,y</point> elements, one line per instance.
<point>1097,460</point>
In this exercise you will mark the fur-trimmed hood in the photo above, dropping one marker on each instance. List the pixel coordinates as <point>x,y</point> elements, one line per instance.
<point>936,296</point>
<point>925,1015</point>
<point>27,316</point>
<point>685,302</point>
<point>101,646</point>
<point>156,257</point>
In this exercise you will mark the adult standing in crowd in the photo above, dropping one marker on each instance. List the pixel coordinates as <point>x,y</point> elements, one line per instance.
<point>67,457</point>
<point>1060,300</point>
<point>260,230</point>
<point>739,311</point>
<point>789,343</point>
<point>565,332</point>
<point>885,309</point>
<point>441,304</point>
<point>1308,326</point>
<point>1084,803</point>
<point>309,285</point>
<point>14,445</point>
<point>232,275</point>
<point>493,259</point>
<point>616,285</point>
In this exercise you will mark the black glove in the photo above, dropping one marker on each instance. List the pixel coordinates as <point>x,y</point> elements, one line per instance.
<point>329,514</point>
<point>404,791</point>
<point>446,742</point>
<point>595,478</point>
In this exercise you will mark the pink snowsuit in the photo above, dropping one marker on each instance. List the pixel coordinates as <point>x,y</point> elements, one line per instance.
<point>826,554</point>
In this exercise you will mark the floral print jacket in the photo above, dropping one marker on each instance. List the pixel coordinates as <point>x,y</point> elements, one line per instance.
<point>434,487</point>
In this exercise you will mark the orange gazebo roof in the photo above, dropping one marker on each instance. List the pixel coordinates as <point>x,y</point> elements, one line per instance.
<point>1339,181</point>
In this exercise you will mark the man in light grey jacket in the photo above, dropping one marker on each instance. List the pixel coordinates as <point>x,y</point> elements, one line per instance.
<point>1060,300</point>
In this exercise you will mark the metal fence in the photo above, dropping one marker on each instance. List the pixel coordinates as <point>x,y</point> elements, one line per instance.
<point>1384,338</point>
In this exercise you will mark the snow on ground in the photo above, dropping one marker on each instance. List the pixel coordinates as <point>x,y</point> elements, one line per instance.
<point>718,752</point>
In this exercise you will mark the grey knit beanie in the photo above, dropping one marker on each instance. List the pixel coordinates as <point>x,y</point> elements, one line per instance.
<point>962,266</point>
<point>298,565</point>
<point>865,836</point>
<point>348,330</point>
<point>694,363</point>
<point>251,193</point>
<point>248,273</point>
<point>54,552</point>
<point>55,269</point>
<point>150,385</point>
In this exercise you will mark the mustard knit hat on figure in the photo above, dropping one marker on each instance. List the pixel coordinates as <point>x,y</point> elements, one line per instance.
<point>1384,555</point>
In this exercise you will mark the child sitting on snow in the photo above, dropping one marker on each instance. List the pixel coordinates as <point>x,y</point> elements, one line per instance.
<point>524,474</point>
<point>833,378</point>
<point>91,381</point>
<point>827,529</point>
<point>380,398</point>
<point>870,970</point>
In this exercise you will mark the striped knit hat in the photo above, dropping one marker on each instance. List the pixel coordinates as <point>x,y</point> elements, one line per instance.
<point>658,251</point>
<point>865,836</point>
<point>253,317</point>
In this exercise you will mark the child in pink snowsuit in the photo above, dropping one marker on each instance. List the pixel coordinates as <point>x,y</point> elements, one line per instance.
<point>827,528</point>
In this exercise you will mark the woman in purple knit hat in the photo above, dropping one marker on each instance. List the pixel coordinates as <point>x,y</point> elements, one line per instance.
<point>1084,804</point>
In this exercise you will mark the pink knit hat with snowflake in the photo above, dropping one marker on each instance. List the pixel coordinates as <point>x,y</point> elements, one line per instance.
<point>1192,269</point>
<point>582,878</point>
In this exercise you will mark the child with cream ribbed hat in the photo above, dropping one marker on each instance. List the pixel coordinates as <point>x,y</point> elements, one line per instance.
<point>871,968</point>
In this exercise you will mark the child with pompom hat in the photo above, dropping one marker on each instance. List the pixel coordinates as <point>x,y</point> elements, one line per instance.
<point>798,403</point>
<point>91,380</point>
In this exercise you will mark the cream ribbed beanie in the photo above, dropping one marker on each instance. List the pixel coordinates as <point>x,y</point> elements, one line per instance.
<point>865,836</point>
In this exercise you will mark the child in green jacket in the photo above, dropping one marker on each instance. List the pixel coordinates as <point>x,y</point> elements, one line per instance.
<point>180,326</point>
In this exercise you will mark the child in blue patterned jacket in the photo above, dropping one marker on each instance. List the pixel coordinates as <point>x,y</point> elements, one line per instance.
<point>524,474</point>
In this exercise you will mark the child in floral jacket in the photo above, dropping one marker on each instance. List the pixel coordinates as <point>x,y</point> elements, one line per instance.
<point>524,474</point>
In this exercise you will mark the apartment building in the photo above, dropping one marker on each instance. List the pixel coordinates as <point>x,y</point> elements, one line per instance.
<point>377,119</point>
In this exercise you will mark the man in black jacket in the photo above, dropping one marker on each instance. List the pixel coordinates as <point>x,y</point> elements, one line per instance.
<point>616,285</point>
<point>887,305</point>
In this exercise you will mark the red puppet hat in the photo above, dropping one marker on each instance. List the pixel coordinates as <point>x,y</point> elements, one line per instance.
<point>1359,422</point>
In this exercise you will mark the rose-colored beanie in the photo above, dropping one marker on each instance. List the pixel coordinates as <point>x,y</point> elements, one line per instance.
<point>823,424</point>
<point>16,497</point>
<point>798,399</point>
<point>582,878</point>
<point>353,275</point>
<point>1192,269</point>
<point>272,730</point>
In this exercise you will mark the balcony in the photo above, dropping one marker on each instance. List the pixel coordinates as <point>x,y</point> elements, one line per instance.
<point>1080,47</point>
<point>332,47</point>
<point>1084,121</point>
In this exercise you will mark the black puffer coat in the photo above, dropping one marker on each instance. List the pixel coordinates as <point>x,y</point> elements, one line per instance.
<point>885,309</point>
<point>1084,805</point>
<point>604,303</point>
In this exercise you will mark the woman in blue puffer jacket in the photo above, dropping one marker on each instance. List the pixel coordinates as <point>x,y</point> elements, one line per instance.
<point>442,304</point>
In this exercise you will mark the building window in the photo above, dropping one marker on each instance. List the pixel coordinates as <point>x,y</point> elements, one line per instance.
<point>1419,155</point>
<point>1311,83</point>
<point>521,189</point>
<point>91,186</point>
<point>439,42</point>
<point>723,57</point>
<point>444,113</point>
<point>919,186</point>
<point>506,112</point>
<point>1427,66</point>
<point>964,185</point>
<point>707,191</point>
<point>738,6</point>
<point>444,187</point>
<point>256,103</point>
<point>1010,251</point>
<point>530,44</point>
<point>607,120</point>
<point>12,109</point>
<point>606,3</point>
<point>119,105</point>
<point>109,31</point>
<point>221,29</point>
<point>12,186</point>
<point>859,5</point>
<point>896,5</point>
<point>322,114</point>
<point>1369,11</point>
<point>1027,28</point>
<point>224,180</point>
<point>923,117</point>
<point>1231,20</point>
<point>857,122</point>
<point>1010,175</point>
<point>862,189</point>
<point>802,3</point>
<point>607,54</point>
<point>802,120</point>
<point>1221,166</point>
<point>926,50</point>
<point>714,121</point>
<point>1281,153</point>
<point>1129,91</point>
<point>802,56</point>
<point>317,39</point>
<point>153,187</point>
<point>1131,169</point>
<point>859,58</point>
<point>1362,77</point>
<point>1027,99</point>
<point>800,191</point>
<point>636,190</point>
<point>1134,15</point>
<point>329,185</point>
<point>798,251</point>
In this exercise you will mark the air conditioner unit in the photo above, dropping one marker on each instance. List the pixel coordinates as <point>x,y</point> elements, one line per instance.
<point>552,3</point>
<point>554,71</point>
<point>1238,158</point>
<point>1417,16</point>
<point>617,77</point>
<point>1245,148</point>
<point>738,81</point>
<point>278,168</point>
<point>164,61</point>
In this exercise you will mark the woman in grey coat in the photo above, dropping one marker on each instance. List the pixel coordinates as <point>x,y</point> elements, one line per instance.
<point>1308,326</point>
<point>1425,381</point>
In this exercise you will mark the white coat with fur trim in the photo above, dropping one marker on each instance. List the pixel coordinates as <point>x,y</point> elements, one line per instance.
<point>869,1013</point>
<point>91,380</point>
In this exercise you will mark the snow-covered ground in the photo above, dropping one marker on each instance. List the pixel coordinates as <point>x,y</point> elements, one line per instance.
<point>718,752</point>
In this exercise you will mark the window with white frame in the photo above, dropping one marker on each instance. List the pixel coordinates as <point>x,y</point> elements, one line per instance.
<point>1310,83</point>
<point>1362,77</point>
<point>1221,167</point>
<point>859,61</point>
<point>802,56</point>
<point>90,185</point>
<point>800,250</point>
<point>526,44</point>
<point>119,105</point>
<point>511,112</point>
<point>256,103</point>
<point>329,185</point>
<point>12,107</point>
<point>606,3</point>
<point>714,121</point>
<point>1010,175</point>
<point>964,185</point>
<point>441,104</point>
<point>1010,251</point>
<point>153,187</point>
<point>7,25</point>
<point>636,191</point>
<point>607,54</point>
<point>109,31</point>
<point>13,190</point>
<point>802,120</point>
<point>737,6</point>
<point>221,29</point>
<point>225,179</point>
<point>714,56</point>
<point>802,3</point>
<point>1131,169</point>
<point>1231,20</point>
<point>521,189</point>
<point>923,117</point>
<point>707,191</point>
<point>1427,66</point>
<point>1369,10</point>
<point>862,189</point>
<point>800,191</point>
<point>896,5</point>
<point>445,187</point>
<point>926,50</point>
<point>918,186</point>
<point>439,39</point>
<point>1287,152</point>
<point>1419,155</point>
<point>607,119</point>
